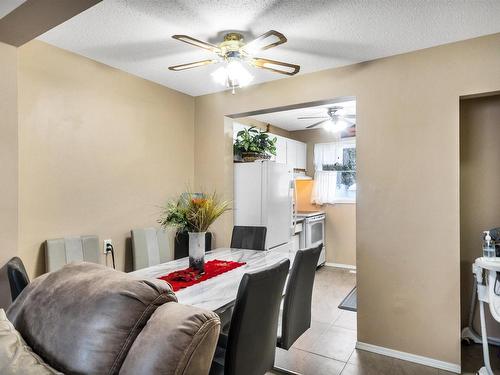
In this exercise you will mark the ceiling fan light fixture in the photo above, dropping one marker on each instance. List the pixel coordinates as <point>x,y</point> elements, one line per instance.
<point>341,125</point>
<point>233,52</point>
<point>329,126</point>
<point>232,75</point>
<point>335,125</point>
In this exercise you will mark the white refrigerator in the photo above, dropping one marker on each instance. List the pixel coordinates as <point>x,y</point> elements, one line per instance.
<point>263,196</point>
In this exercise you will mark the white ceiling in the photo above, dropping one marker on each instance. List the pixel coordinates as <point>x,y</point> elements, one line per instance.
<point>288,119</point>
<point>134,35</point>
<point>7,6</point>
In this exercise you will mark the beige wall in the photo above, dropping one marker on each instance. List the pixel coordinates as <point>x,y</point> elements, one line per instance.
<point>408,242</point>
<point>99,150</point>
<point>340,231</point>
<point>8,162</point>
<point>479,184</point>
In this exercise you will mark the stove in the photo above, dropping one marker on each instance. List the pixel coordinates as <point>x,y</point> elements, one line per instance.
<point>314,231</point>
<point>304,214</point>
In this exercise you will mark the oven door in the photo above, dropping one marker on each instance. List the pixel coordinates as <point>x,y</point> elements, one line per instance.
<point>315,235</point>
<point>315,231</point>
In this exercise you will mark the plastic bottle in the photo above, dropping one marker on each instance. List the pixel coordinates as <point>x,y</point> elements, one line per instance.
<point>488,246</point>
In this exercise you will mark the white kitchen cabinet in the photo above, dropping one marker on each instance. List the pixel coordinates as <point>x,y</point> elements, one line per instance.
<point>291,153</point>
<point>301,155</point>
<point>296,154</point>
<point>280,150</point>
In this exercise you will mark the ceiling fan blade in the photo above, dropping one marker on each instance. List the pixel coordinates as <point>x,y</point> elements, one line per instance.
<point>275,66</point>
<point>311,117</point>
<point>267,40</point>
<point>315,124</point>
<point>197,43</point>
<point>348,116</point>
<point>192,65</point>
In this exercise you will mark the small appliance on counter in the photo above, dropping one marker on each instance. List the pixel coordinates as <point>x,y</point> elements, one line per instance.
<point>313,232</point>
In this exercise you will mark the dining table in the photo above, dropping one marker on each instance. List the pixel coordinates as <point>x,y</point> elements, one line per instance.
<point>219,292</point>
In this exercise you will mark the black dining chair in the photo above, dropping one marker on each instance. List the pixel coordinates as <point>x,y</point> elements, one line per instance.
<point>17,276</point>
<point>296,318</point>
<point>250,346</point>
<point>246,237</point>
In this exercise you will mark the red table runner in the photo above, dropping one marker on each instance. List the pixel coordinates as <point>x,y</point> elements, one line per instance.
<point>187,277</point>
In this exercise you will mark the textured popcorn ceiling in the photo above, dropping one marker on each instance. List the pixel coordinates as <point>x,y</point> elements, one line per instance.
<point>134,35</point>
<point>7,6</point>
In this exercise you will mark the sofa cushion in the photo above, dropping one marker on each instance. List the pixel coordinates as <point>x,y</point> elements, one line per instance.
<point>185,346</point>
<point>17,358</point>
<point>83,318</point>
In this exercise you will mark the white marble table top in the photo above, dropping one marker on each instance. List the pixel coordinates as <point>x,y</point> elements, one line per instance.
<point>219,291</point>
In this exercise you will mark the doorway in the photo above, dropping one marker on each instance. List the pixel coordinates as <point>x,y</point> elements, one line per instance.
<point>479,211</point>
<point>317,142</point>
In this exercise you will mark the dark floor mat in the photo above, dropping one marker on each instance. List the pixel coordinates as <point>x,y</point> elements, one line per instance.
<point>350,302</point>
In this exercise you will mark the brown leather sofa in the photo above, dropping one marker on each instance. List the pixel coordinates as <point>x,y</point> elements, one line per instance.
<point>89,319</point>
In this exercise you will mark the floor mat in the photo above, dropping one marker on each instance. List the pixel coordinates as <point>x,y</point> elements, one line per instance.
<point>350,302</point>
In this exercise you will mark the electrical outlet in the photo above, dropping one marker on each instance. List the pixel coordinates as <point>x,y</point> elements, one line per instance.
<point>106,242</point>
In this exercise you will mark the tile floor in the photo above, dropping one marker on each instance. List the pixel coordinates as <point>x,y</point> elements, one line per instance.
<point>472,358</point>
<point>327,348</point>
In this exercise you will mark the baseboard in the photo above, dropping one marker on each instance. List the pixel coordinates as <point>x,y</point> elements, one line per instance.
<point>431,362</point>
<point>340,265</point>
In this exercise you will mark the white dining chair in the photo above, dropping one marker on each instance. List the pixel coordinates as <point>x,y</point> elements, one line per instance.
<point>61,251</point>
<point>150,246</point>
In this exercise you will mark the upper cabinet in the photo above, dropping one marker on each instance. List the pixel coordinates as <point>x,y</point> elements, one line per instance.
<point>296,154</point>
<point>280,150</point>
<point>301,155</point>
<point>291,153</point>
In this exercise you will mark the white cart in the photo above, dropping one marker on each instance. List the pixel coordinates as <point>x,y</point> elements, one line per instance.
<point>485,272</point>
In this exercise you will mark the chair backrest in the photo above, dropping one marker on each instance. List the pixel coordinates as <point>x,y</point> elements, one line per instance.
<point>251,341</point>
<point>61,251</point>
<point>297,303</point>
<point>252,238</point>
<point>150,247</point>
<point>18,278</point>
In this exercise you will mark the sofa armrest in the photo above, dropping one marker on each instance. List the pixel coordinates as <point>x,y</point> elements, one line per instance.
<point>177,340</point>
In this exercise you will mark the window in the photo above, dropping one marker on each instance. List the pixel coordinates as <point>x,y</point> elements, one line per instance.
<point>335,172</point>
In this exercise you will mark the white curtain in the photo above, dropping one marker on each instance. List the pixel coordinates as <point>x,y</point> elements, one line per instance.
<point>326,154</point>
<point>325,187</point>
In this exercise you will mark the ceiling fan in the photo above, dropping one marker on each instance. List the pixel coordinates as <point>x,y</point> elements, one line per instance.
<point>233,52</point>
<point>333,120</point>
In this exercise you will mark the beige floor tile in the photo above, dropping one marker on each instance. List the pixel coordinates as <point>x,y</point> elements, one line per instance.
<point>311,336</point>
<point>364,359</point>
<point>347,319</point>
<point>352,369</point>
<point>307,363</point>
<point>337,343</point>
<point>325,312</point>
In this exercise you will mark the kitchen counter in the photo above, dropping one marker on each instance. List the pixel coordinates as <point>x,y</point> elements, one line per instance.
<point>304,214</point>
